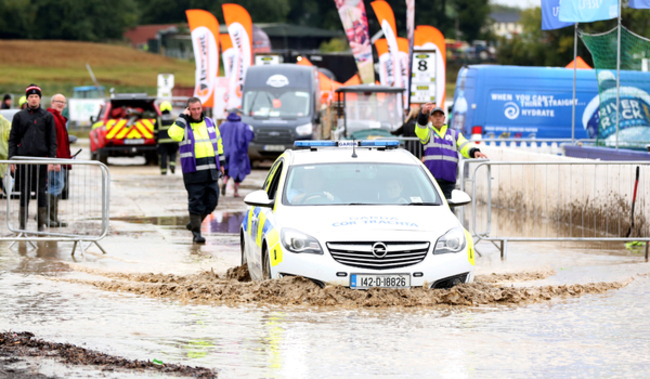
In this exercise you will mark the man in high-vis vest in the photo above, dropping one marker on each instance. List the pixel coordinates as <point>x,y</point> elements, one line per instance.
<point>202,162</point>
<point>167,147</point>
<point>441,147</point>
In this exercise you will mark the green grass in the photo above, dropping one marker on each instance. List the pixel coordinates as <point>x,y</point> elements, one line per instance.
<point>58,66</point>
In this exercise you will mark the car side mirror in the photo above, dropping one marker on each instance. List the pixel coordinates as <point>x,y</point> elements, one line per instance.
<point>458,199</point>
<point>259,198</point>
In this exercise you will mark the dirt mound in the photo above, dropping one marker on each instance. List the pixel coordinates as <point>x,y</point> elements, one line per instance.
<point>239,273</point>
<point>515,277</point>
<point>24,344</point>
<point>207,287</point>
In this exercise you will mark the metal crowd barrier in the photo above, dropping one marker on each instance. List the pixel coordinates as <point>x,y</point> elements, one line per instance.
<point>557,201</point>
<point>82,206</point>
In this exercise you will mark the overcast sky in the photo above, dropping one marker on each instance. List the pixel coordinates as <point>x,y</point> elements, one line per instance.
<point>519,3</point>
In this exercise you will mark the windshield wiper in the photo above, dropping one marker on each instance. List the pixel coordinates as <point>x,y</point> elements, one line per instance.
<point>422,204</point>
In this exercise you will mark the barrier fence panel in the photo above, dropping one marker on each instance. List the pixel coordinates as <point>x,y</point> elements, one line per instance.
<point>54,200</point>
<point>558,201</point>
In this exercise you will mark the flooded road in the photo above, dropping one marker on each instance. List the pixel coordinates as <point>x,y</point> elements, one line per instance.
<point>564,333</point>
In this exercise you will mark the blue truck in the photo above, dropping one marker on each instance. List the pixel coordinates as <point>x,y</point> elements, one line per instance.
<point>535,102</point>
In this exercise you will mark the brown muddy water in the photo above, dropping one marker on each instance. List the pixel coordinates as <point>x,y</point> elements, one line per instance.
<point>549,310</point>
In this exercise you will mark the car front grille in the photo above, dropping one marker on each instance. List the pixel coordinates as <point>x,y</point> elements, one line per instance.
<point>360,254</point>
<point>271,135</point>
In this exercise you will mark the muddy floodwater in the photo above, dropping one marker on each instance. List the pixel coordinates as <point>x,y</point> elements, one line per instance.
<point>549,310</point>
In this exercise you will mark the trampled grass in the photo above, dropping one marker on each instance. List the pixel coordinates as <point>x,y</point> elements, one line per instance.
<point>57,66</point>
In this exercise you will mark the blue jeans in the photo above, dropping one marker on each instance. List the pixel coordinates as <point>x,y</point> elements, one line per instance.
<point>55,182</point>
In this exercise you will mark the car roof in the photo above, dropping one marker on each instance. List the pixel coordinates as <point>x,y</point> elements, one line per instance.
<point>344,155</point>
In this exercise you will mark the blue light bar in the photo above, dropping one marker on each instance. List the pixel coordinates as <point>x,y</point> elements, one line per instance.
<point>314,143</point>
<point>367,143</point>
<point>379,143</point>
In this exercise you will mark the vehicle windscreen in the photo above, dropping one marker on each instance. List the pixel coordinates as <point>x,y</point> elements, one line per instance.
<point>368,110</point>
<point>359,184</point>
<point>268,102</point>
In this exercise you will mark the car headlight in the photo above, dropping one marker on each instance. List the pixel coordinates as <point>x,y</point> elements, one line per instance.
<point>298,242</point>
<point>304,130</point>
<point>453,241</point>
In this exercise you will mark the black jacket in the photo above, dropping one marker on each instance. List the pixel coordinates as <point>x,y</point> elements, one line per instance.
<point>33,134</point>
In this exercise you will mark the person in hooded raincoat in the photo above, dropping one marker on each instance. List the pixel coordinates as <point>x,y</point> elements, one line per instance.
<point>236,136</point>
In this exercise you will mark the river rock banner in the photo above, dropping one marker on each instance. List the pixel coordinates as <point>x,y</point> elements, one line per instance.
<point>205,31</point>
<point>355,23</point>
<point>240,28</point>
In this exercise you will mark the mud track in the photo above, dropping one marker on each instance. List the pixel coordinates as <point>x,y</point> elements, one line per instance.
<point>209,288</point>
<point>24,344</point>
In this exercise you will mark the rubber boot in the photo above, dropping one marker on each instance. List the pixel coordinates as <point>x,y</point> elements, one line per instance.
<point>188,226</point>
<point>236,190</point>
<point>22,217</point>
<point>223,186</point>
<point>195,220</point>
<point>172,167</point>
<point>42,218</point>
<point>54,212</point>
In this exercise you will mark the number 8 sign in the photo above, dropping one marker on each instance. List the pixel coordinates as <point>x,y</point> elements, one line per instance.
<point>423,77</point>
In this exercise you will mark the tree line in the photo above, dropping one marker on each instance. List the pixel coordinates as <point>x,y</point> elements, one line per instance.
<point>104,20</point>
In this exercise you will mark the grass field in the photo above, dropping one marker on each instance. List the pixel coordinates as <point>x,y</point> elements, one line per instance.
<point>58,66</point>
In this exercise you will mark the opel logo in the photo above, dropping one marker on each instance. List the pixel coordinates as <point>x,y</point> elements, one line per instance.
<point>379,250</point>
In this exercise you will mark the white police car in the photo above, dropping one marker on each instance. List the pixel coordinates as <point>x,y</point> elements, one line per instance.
<point>362,216</point>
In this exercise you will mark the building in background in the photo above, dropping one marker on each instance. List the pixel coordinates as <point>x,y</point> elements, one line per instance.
<point>506,24</point>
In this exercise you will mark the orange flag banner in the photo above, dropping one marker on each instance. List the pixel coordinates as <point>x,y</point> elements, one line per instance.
<point>240,28</point>
<point>205,31</point>
<point>386,18</point>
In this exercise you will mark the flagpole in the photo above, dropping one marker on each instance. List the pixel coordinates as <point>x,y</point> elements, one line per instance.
<point>575,72</point>
<point>618,72</point>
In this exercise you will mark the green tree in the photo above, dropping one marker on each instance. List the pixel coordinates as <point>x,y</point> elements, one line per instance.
<point>16,18</point>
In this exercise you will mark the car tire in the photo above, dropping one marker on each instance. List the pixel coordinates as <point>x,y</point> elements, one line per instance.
<point>243,249</point>
<point>102,157</point>
<point>266,264</point>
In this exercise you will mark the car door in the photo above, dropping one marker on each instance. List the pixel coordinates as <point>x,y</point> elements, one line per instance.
<point>254,223</point>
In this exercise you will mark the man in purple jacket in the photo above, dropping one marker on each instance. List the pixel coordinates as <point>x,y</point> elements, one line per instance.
<point>236,136</point>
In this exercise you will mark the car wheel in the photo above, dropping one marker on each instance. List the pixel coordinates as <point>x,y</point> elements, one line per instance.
<point>243,249</point>
<point>266,264</point>
<point>102,157</point>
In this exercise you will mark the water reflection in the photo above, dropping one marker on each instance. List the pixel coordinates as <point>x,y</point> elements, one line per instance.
<point>215,223</point>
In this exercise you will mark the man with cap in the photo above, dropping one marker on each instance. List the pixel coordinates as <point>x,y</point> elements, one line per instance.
<point>201,152</point>
<point>33,134</point>
<point>442,146</point>
<point>167,147</point>
<point>236,136</point>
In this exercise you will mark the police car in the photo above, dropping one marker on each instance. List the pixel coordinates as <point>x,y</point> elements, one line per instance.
<point>359,214</point>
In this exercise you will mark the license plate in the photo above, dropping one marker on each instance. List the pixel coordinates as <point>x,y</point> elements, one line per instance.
<point>274,148</point>
<point>364,281</point>
<point>133,141</point>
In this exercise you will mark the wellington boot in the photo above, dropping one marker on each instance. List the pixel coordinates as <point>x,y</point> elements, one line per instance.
<point>223,188</point>
<point>22,217</point>
<point>195,221</point>
<point>54,222</point>
<point>188,226</point>
<point>172,167</point>
<point>42,218</point>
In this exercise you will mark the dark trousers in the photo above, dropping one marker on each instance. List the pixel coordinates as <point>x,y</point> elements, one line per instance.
<point>202,197</point>
<point>446,187</point>
<point>167,151</point>
<point>31,178</point>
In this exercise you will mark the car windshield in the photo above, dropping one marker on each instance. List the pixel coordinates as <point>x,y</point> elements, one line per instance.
<point>274,103</point>
<point>359,184</point>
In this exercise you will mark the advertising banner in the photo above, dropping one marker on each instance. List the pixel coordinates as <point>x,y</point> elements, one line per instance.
<point>588,10</point>
<point>403,46</point>
<point>410,34</point>
<point>551,15</point>
<point>205,31</point>
<point>386,18</point>
<point>639,4</point>
<point>431,42</point>
<point>355,24</point>
<point>386,72</point>
<point>240,28</point>
<point>228,54</point>
<point>221,98</point>
<point>599,118</point>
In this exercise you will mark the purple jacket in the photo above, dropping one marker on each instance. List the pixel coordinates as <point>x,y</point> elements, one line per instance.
<point>236,136</point>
